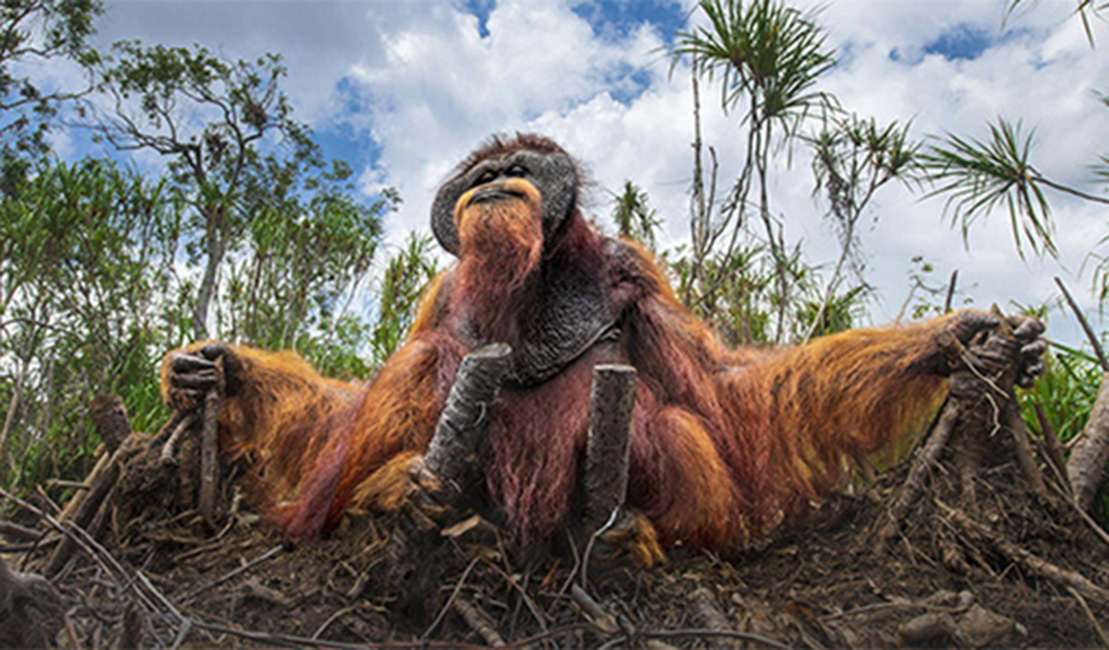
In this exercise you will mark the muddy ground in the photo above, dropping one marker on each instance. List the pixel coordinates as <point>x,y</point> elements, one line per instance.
<point>167,581</point>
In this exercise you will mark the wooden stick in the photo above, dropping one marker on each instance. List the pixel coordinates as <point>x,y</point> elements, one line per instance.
<point>1034,564</point>
<point>927,459</point>
<point>950,291</point>
<point>1094,342</point>
<point>594,611</point>
<point>479,622</point>
<point>1023,445</point>
<point>109,413</point>
<point>110,417</point>
<point>606,450</point>
<point>12,530</point>
<point>207,501</point>
<point>1086,466</point>
<point>169,449</point>
<point>460,433</point>
<point>1053,450</point>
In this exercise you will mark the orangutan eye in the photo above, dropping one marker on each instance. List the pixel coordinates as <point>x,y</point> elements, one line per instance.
<point>517,171</point>
<point>486,177</point>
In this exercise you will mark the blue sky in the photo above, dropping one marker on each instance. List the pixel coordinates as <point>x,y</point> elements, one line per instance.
<point>403,90</point>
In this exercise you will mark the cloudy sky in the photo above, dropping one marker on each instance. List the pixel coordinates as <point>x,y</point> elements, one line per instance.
<point>403,88</point>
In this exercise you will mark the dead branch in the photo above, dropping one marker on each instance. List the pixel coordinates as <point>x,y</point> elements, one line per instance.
<point>239,571</point>
<point>1023,446</point>
<point>479,622</point>
<point>947,301</point>
<point>1089,331</point>
<point>169,449</point>
<point>111,420</point>
<point>1086,467</point>
<point>454,452</point>
<point>14,531</point>
<point>110,417</point>
<point>928,458</point>
<point>207,501</point>
<point>1032,563</point>
<point>606,451</point>
<point>1053,451</point>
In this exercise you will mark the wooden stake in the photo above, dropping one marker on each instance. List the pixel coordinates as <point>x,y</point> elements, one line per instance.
<point>454,452</point>
<point>207,500</point>
<point>606,451</point>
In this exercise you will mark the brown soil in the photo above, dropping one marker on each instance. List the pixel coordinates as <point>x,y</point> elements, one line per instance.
<point>165,580</point>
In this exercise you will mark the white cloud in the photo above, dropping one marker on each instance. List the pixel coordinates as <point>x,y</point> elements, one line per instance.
<point>433,88</point>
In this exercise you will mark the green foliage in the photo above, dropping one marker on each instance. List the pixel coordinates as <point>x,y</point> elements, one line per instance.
<point>407,274</point>
<point>634,217</point>
<point>1066,392</point>
<point>977,176</point>
<point>87,258</point>
<point>307,251</point>
<point>33,32</point>
<point>768,57</point>
<point>765,53</point>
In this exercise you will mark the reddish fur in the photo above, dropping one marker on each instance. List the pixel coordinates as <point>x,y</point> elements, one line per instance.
<point>726,444</point>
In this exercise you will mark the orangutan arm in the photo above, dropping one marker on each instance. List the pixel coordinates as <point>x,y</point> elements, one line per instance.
<point>736,441</point>
<point>311,439</point>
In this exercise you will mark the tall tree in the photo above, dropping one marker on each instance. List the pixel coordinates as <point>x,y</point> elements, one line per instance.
<point>34,32</point>
<point>211,118</point>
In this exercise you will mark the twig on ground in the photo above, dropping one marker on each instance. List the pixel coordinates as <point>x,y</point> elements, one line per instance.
<point>1090,615</point>
<point>239,571</point>
<point>695,634</point>
<point>594,612</point>
<point>450,601</point>
<point>929,456</point>
<point>1053,451</point>
<point>478,621</point>
<point>1034,564</point>
<point>169,449</point>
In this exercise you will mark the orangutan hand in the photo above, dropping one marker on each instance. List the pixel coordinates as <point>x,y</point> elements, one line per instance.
<point>1027,331</point>
<point>992,342</point>
<point>189,374</point>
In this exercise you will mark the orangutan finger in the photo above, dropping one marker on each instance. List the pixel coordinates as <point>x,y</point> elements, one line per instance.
<point>1029,328</point>
<point>188,363</point>
<point>215,350</point>
<point>1034,349</point>
<point>199,380</point>
<point>973,322</point>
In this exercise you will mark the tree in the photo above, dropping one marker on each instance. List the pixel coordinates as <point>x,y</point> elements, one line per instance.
<point>852,158</point>
<point>634,217</point>
<point>209,117</point>
<point>36,32</point>
<point>768,57</point>
<point>87,253</point>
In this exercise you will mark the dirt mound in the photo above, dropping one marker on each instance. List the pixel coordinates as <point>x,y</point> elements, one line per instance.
<point>944,579</point>
<point>974,543</point>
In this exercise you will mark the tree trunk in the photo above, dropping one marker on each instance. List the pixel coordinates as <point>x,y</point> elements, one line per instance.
<point>1086,467</point>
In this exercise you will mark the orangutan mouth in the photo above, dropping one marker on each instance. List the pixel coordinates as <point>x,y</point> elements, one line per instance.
<point>493,194</point>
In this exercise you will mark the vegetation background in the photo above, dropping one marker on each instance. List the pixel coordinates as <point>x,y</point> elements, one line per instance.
<point>248,232</point>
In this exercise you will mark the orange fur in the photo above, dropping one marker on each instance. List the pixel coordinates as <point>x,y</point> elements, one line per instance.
<point>726,444</point>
